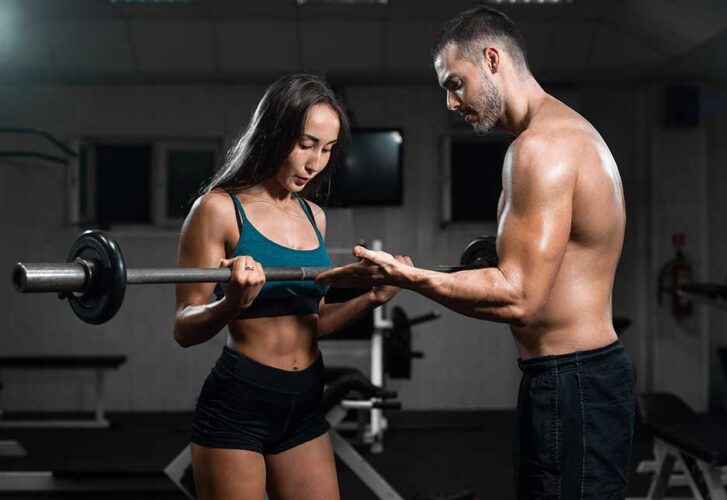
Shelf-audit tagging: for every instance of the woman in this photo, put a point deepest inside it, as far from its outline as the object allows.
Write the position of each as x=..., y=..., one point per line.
x=258, y=423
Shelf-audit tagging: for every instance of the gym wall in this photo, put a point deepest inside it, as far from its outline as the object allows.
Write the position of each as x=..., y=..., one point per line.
x=468, y=363
x=715, y=119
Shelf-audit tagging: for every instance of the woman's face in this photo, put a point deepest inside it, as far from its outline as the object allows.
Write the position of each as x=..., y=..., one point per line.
x=312, y=151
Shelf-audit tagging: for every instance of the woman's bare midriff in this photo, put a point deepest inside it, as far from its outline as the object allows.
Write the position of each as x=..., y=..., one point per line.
x=283, y=342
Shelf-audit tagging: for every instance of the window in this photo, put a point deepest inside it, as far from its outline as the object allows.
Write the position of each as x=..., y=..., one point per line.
x=182, y=170
x=472, y=177
x=122, y=184
x=139, y=183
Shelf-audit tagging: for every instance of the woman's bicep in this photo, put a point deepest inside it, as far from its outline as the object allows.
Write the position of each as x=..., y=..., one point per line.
x=201, y=245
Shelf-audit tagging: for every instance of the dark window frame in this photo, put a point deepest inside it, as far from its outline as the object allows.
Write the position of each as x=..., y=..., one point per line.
x=82, y=178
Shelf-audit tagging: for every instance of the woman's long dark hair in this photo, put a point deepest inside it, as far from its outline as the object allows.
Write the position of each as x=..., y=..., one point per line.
x=273, y=131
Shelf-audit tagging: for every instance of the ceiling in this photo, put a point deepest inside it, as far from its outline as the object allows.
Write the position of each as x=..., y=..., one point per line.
x=243, y=41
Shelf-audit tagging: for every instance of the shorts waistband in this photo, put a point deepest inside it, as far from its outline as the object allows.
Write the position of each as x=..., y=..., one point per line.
x=572, y=359
x=268, y=376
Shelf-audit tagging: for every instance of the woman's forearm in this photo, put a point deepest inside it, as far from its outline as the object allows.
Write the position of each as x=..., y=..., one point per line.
x=332, y=317
x=196, y=324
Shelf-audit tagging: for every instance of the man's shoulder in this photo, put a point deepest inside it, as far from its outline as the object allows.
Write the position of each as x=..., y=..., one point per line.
x=560, y=139
x=545, y=154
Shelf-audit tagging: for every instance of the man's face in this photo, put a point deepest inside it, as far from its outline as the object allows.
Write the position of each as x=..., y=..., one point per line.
x=470, y=89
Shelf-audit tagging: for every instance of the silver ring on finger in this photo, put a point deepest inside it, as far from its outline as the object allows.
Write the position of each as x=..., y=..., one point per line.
x=249, y=268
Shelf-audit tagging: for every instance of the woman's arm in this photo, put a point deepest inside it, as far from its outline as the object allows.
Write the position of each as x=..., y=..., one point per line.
x=202, y=244
x=333, y=317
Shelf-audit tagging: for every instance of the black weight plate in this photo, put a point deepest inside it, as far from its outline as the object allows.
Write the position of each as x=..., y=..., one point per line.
x=480, y=252
x=103, y=295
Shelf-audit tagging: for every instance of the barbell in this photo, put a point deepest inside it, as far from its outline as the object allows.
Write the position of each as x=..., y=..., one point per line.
x=94, y=277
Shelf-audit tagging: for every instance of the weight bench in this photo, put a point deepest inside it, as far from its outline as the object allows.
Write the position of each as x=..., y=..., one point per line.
x=352, y=390
x=686, y=441
x=99, y=364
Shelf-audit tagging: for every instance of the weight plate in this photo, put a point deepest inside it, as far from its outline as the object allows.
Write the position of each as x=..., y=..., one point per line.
x=480, y=252
x=104, y=292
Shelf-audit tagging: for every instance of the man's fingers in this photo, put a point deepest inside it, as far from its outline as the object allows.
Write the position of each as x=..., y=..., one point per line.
x=404, y=259
x=364, y=253
x=348, y=275
x=326, y=277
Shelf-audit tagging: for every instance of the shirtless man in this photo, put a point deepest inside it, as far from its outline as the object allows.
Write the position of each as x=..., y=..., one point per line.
x=561, y=221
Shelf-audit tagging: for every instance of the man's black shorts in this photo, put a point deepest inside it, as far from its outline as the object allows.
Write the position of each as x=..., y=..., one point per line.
x=574, y=425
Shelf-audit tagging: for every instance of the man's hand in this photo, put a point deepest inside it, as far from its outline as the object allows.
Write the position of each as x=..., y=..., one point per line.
x=380, y=270
x=384, y=293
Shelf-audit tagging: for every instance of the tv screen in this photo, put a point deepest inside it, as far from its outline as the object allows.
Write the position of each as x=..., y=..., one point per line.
x=371, y=172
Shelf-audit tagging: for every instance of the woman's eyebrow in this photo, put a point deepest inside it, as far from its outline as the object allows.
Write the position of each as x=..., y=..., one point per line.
x=315, y=139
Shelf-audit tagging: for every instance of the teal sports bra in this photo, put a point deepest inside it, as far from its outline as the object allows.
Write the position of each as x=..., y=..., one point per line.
x=279, y=298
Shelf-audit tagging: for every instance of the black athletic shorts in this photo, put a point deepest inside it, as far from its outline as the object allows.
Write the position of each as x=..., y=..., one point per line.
x=247, y=405
x=574, y=425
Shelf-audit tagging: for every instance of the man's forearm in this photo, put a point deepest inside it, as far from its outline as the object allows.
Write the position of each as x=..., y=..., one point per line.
x=481, y=293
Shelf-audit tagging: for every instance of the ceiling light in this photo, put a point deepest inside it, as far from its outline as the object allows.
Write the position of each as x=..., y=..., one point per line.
x=153, y=1
x=344, y=2
x=534, y=2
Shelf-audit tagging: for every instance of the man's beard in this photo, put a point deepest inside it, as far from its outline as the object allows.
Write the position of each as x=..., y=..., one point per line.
x=488, y=106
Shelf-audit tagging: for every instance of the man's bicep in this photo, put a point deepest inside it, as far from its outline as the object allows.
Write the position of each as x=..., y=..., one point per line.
x=535, y=225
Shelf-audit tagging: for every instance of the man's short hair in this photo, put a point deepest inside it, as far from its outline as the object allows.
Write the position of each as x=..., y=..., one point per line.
x=472, y=29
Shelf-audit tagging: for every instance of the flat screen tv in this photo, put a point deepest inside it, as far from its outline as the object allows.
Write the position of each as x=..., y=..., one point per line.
x=371, y=172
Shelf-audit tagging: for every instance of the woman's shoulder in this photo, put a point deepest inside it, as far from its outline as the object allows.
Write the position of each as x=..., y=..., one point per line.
x=318, y=214
x=214, y=203
x=211, y=219
x=214, y=208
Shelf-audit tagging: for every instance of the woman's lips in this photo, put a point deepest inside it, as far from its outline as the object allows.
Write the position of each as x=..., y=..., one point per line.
x=301, y=181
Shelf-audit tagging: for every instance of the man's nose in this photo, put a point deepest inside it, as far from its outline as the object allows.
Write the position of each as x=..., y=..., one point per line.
x=453, y=102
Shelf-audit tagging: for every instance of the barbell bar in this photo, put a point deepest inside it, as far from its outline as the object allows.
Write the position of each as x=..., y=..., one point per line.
x=72, y=277
x=94, y=276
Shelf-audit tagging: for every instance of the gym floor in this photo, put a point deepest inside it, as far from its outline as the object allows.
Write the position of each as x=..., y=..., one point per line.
x=424, y=452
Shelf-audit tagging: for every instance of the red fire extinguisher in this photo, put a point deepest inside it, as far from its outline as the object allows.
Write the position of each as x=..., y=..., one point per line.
x=681, y=273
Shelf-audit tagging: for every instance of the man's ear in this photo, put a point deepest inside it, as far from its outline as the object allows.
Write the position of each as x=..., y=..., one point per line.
x=491, y=59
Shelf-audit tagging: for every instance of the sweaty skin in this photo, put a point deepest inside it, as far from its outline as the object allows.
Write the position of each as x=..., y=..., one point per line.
x=561, y=217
